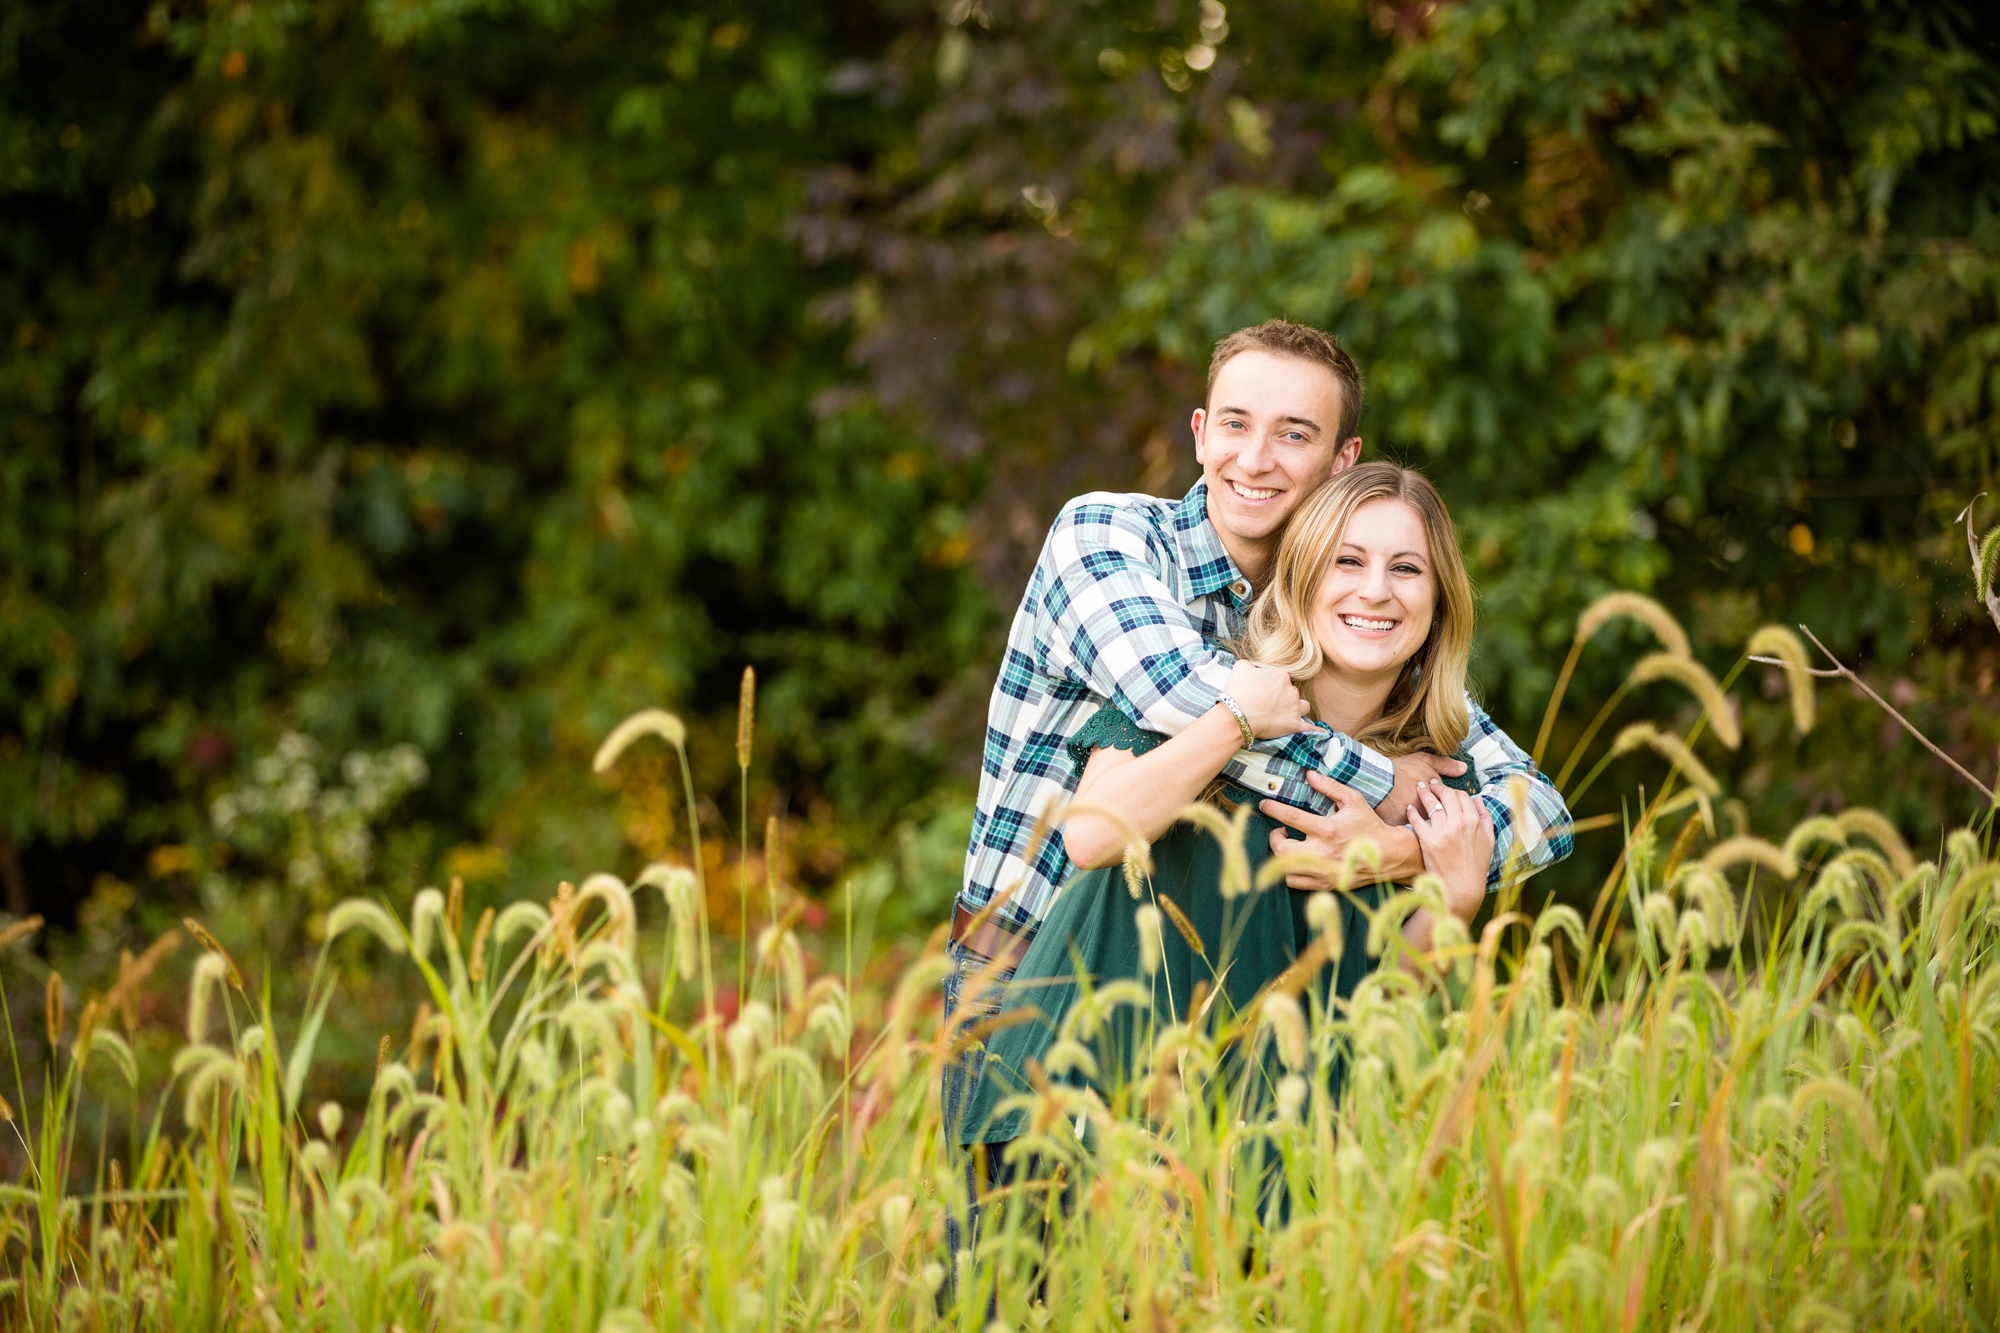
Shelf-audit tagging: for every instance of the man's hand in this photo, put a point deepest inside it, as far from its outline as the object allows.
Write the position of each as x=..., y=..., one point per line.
x=1331, y=835
x=1268, y=699
x=1412, y=772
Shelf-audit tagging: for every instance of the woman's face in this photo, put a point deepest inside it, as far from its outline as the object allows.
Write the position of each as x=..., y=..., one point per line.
x=1374, y=606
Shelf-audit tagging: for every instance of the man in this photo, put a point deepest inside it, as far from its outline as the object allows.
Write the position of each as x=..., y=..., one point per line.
x=1128, y=604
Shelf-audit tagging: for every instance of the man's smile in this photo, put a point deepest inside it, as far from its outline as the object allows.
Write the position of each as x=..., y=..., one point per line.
x=1252, y=493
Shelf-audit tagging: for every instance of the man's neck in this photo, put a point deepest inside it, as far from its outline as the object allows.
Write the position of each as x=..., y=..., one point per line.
x=1252, y=559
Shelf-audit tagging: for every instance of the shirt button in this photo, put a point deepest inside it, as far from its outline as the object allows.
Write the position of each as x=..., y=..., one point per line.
x=1271, y=784
x=1240, y=588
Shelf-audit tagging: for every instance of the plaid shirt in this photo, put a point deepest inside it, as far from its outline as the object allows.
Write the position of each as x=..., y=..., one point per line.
x=1127, y=605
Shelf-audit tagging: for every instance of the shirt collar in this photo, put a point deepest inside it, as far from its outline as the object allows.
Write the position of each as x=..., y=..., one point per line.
x=1205, y=562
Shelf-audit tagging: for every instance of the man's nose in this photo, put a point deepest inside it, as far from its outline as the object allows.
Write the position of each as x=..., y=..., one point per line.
x=1256, y=455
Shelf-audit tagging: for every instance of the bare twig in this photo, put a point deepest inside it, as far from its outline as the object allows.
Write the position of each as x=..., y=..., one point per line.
x=1810, y=671
x=1908, y=726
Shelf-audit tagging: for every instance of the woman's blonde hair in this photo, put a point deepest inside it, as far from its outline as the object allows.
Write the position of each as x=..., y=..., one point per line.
x=1426, y=708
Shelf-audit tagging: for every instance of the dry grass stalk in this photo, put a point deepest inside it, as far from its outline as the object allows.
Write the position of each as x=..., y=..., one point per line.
x=1872, y=825
x=1789, y=650
x=214, y=946
x=1746, y=849
x=1696, y=680
x=1644, y=735
x=646, y=722
x=746, y=715
x=14, y=932
x=1643, y=609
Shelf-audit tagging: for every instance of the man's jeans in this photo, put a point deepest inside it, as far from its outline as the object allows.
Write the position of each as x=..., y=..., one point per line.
x=960, y=1083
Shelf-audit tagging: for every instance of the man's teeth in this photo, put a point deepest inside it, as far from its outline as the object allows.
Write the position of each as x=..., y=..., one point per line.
x=1362, y=622
x=1251, y=492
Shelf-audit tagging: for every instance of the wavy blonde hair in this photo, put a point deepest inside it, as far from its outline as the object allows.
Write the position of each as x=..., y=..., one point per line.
x=1426, y=708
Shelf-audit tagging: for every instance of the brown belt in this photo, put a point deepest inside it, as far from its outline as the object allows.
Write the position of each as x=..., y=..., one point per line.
x=991, y=939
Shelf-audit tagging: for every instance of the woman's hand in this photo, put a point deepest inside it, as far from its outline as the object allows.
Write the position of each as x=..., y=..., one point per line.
x=1268, y=698
x=1455, y=832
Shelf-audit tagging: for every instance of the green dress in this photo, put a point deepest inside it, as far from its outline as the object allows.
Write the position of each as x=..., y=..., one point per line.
x=1092, y=932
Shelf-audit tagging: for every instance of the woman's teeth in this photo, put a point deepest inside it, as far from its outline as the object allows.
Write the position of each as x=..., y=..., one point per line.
x=1251, y=492
x=1363, y=622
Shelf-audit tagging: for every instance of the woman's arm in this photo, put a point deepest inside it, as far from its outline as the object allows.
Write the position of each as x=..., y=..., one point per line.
x=1150, y=789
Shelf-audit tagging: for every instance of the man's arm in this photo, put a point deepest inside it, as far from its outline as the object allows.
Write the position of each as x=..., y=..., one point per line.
x=1530, y=818
x=1524, y=804
x=1110, y=621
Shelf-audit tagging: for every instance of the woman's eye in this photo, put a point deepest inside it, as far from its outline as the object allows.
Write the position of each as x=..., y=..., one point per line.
x=1408, y=569
x=1348, y=562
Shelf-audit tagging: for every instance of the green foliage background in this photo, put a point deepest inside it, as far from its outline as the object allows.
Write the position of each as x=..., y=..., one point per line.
x=466, y=375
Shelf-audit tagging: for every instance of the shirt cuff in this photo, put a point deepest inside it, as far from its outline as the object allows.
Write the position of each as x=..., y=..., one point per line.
x=1203, y=689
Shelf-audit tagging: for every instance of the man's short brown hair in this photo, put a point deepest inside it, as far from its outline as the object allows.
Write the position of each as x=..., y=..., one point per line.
x=1281, y=337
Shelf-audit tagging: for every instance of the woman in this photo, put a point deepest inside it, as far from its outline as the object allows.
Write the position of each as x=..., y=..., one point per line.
x=1369, y=610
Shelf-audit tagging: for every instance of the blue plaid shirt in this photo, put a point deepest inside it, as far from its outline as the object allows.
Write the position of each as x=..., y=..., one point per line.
x=1128, y=603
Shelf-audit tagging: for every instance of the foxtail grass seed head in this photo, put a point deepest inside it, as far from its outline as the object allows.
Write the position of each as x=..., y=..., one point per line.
x=1872, y=825
x=330, y=1116
x=894, y=1215
x=646, y=722
x=475, y=967
x=425, y=914
x=14, y=932
x=1322, y=913
x=52, y=1009
x=1292, y=1091
x=1152, y=945
x=1696, y=680
x=746, y=715
x=1637, y=607
x=683, y=897
x=1288, y=1028
x=1785, y=645
x=210, y=971
x=214, y=946
x=1645, y=736
x=454, y=909
x=361, y=914
x=1748, y=850
x=381, y=1055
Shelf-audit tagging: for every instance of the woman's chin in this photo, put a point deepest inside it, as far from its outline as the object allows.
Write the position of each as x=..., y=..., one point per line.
x=1365, y=665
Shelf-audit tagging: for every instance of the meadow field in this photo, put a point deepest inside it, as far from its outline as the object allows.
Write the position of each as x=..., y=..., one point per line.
x=1758, y=1086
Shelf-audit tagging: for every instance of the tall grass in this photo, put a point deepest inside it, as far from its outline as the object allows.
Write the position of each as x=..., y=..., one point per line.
x=1750, y=1105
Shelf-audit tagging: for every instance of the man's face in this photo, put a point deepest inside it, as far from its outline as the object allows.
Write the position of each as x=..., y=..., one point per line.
x=1266, y=441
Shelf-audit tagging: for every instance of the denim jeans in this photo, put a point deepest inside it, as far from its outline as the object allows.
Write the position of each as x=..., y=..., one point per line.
x=959, y=1084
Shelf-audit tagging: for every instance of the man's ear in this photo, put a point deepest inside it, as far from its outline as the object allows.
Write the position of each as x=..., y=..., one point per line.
x=1348, y=454
x=1197, y=421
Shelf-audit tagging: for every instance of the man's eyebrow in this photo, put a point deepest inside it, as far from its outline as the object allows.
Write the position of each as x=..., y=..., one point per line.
x=1246, y=412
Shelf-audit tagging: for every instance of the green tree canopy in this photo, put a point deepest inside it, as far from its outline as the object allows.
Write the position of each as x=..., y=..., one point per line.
x=466, y=375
